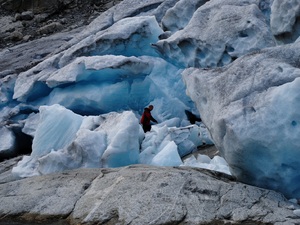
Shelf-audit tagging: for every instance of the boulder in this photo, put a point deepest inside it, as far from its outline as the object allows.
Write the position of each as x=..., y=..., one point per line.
x=27, y=15
x=16, y=36
x=50, y=28
x=8, y=26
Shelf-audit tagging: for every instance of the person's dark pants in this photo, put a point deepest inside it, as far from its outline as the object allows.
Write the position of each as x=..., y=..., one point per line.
x=146, y=128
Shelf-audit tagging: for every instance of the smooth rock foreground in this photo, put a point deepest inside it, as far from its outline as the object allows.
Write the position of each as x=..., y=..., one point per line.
x=139, y=194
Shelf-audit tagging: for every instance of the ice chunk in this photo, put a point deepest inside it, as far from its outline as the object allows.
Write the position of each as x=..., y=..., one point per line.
x=130, y=37
x=31, y=124
x=65, y=140
x=30, y=84
x=297, y=212
x=108, y=68
x=219, y=164
x=168, y=156
x=284, y=15
x=7, y=141
x=186, y=139
x=177, y=17
x=217, y=34
x=85, y=151
x=56, y=130
x=123, y=144
x=203, y=161
x=285, y=20
x=252, y=115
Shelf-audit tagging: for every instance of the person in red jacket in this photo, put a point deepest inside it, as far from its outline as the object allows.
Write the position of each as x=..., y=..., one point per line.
x=147, y=118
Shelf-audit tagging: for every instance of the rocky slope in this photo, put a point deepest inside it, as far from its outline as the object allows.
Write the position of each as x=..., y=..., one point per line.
x=22, y=21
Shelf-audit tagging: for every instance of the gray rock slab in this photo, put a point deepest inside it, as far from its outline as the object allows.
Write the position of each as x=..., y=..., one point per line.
x=156, y=195
x=140, y=194
x=5, y=169
x=44, y=197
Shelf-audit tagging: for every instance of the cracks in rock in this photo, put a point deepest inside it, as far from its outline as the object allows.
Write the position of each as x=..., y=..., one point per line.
x=145, y=176
x=215, y=174
x=168, y=211
x=85, y=188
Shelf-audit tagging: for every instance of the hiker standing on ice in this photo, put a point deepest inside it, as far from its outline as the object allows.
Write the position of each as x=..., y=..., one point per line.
x=147, y=118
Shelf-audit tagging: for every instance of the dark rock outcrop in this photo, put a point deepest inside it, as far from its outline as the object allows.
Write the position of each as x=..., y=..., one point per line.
x=21, y=21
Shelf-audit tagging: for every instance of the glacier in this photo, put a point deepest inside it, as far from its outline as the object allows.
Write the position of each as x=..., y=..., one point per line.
x=265, y=100
x=233, y=63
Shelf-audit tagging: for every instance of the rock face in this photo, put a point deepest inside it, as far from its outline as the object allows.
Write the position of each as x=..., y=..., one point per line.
x=28, y=20
x=14, y=60
x=140, y=195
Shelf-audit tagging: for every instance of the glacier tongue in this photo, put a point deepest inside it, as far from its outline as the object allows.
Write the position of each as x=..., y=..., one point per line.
x=82, y=103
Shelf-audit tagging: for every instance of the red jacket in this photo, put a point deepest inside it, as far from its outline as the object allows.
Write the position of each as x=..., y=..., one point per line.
x=147, y=117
